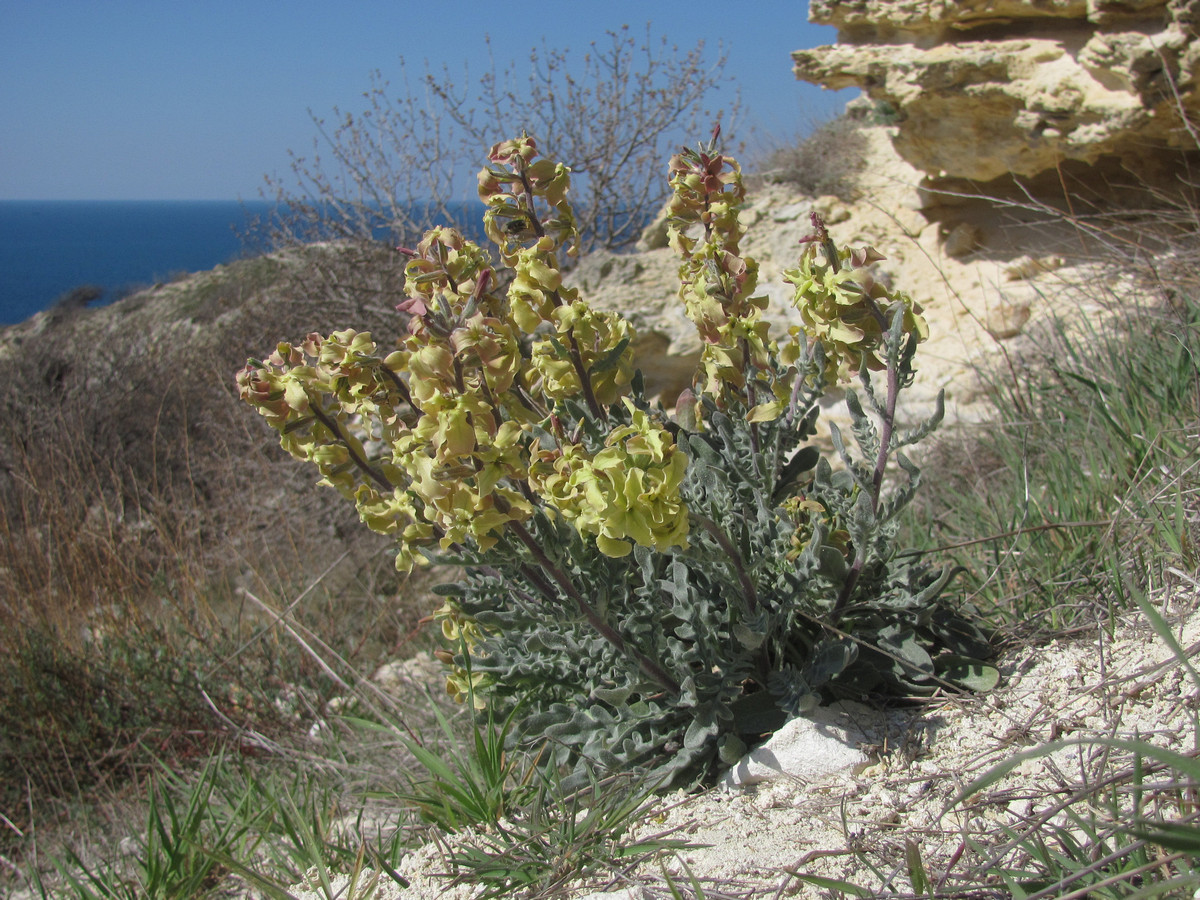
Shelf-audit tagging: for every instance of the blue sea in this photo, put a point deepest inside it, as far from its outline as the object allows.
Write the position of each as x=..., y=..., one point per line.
x=49, y=247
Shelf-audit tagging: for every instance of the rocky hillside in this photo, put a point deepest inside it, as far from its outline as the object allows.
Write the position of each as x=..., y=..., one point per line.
x=138, y=396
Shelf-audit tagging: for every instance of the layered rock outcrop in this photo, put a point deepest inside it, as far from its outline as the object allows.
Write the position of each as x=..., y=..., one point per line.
x=980, y=89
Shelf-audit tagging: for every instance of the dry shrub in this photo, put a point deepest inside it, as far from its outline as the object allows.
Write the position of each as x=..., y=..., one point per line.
x=139, y=507
x=824, y=161
x=91, y=677
x=408, y=159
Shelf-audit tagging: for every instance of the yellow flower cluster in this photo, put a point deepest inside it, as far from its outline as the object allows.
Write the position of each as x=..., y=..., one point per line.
x=596, y=336
x=330, y=398
x=716, y=284
x=577, y=350
x=433, y=441
x=847, y=311
x=628, y=491
x=460, y=630
x=508, y=188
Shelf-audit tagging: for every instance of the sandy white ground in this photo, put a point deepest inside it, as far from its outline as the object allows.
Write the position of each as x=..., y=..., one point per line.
x=749, y=843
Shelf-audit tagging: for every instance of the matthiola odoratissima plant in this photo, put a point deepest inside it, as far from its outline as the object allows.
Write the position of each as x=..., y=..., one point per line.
x=655, y=591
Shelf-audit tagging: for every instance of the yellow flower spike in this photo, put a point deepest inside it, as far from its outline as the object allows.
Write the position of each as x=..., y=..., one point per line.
x=716, y=283
x=446, y=270
x=836, y=308
x=596, y=335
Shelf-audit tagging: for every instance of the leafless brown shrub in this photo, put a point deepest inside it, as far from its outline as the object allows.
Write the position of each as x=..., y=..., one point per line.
x=824, y=161
x=407, y=161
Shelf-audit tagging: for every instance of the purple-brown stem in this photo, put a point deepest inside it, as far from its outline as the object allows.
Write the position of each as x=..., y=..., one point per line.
x=362, y=464
x=885, y=440
x=610, y=634
x=399, y=384
x=735, y=559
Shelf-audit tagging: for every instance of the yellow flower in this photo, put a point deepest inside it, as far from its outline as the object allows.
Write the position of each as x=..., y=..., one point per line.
x=847, y=312
x=460, y=685
x=628, y=493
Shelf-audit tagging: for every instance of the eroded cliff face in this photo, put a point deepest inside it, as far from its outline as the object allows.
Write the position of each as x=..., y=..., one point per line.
x=981, y=89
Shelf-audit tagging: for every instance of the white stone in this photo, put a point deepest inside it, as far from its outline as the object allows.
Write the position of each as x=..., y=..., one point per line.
x=791, y=211
x=809, y=748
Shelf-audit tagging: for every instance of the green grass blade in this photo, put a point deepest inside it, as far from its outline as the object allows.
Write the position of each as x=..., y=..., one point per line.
x=1172, y=835
x=833, y=884
x=916, y=867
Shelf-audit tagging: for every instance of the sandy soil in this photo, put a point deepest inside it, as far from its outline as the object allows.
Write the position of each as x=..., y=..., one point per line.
x=855, y=825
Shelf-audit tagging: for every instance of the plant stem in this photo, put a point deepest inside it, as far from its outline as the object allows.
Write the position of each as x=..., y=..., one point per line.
x=362, y=464
x=751, y=400
x=885, y=440
x=585, y=380
x=398, y=383
x=610, y=634
x=735, y=559
x=885, y=433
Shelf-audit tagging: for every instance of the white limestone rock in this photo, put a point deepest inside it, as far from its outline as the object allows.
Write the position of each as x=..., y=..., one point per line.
x=810, y=748
x=1046, y=82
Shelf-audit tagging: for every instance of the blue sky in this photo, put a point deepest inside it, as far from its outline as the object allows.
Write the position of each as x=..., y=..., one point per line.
x=175, y=99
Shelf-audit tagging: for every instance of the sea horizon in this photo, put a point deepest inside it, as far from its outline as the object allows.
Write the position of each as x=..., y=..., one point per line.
x=50, y=247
